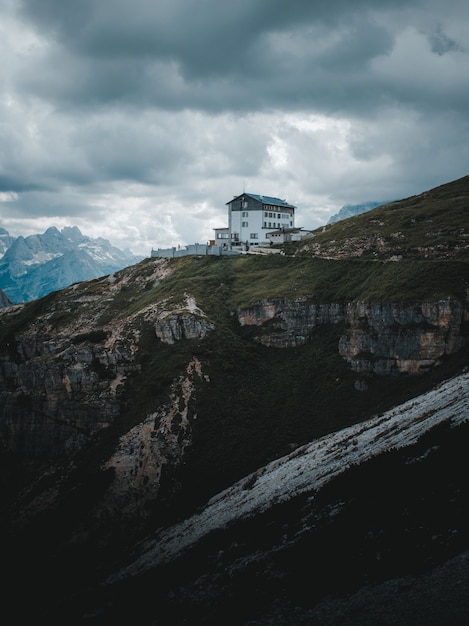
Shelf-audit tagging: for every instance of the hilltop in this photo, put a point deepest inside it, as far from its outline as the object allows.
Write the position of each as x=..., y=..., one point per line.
x=183, y=437
x=432, y=224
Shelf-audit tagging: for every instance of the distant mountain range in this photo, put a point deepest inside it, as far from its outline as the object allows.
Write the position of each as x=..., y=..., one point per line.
x=33, y=266
x=350, y=210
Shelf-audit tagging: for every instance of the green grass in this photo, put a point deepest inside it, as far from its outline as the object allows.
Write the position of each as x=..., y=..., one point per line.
x=238, y=283
x=224, y=285
x=437, y=218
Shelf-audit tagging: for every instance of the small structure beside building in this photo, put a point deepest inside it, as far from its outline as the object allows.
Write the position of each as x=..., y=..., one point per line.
x=285, y=235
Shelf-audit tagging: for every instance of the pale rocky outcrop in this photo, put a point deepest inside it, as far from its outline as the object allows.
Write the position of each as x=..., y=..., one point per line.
x=160, y=439
x=186, y=321
x=182, y=326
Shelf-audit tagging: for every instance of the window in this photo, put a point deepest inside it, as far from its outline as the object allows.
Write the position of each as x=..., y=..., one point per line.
x=270, y=225
x=223, y=236
x=265, y=214
x=270, y=214
x=244, y=224
x=245, y=214
x=265, y=225
x=278, y=216
x=245, y=204
x=254, y=235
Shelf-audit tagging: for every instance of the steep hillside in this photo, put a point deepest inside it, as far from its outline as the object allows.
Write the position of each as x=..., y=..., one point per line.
x=131, y=401
x=430, y=225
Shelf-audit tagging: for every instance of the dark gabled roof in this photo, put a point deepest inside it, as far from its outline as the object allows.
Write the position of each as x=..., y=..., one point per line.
x=265, y=200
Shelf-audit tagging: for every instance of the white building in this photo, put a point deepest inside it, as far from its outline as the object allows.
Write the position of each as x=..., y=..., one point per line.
x=252, y=218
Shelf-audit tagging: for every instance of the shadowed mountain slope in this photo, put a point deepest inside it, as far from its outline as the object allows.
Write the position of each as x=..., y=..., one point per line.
x=183, y=439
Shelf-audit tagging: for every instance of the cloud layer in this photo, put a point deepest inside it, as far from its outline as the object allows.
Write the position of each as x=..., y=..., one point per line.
x=137, y=121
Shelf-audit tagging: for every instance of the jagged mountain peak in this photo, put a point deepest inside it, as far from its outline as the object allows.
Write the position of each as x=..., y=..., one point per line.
x=73, y=233
x=350, y=210
x=30, y=267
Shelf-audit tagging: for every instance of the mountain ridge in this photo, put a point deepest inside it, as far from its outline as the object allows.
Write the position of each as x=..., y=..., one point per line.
x=135, y=401
x=428, y=225
x=33, y=266
x=350, y=210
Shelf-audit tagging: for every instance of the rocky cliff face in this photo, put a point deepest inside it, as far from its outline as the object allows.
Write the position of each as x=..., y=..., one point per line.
x=384, y=338
x=65, y=378
x=63, y=383
x=186, y=321
x=63, y=374
x=389, y=338
x=159, y=441
x=62, y=386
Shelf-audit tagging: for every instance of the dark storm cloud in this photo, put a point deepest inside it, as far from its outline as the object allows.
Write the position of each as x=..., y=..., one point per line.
x=209, y=55
x=17, y=185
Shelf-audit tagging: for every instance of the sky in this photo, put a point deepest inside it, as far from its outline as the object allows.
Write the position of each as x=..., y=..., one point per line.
x=137, y=121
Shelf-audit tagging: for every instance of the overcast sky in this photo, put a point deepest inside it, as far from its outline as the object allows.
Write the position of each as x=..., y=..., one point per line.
x=137, y=120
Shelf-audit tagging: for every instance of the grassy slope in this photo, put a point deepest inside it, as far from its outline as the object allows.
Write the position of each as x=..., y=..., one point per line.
x=438, y=217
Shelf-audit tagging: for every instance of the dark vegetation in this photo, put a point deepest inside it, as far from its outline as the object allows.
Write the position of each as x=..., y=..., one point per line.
x=394, y=517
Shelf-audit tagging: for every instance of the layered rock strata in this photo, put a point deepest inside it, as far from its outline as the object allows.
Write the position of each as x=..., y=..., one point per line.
x=384, y=338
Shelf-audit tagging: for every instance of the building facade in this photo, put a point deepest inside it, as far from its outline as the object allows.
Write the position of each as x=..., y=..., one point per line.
x=251, y=218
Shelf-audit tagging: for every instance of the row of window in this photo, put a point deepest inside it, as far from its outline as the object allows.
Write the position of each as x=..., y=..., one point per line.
x=271, y=207
x=280, y=216
x=269, y=225
x=274, y=225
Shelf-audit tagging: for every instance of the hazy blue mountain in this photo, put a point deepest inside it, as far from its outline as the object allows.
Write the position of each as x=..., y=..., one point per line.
x=350, y=210
x=33, y=266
